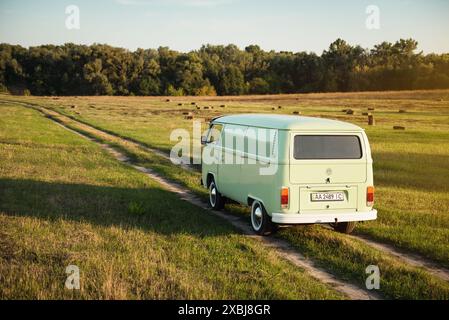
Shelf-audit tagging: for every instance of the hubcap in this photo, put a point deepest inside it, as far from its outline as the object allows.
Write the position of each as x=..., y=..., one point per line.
x=258, y=213
x=257, y=217
x=212, y=195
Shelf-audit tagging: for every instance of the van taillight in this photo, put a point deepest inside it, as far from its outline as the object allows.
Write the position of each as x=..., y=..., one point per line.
x=284, y=197
x=369, y=196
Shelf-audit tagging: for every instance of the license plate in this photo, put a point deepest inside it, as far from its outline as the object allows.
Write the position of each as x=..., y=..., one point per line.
x=327, y=196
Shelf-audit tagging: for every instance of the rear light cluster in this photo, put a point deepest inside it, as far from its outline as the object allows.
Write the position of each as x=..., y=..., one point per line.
x=284, y=197
x=369, y=196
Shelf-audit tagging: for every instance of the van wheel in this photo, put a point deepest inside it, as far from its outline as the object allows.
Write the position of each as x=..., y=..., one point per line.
x=216, y=200
x=344, y=227
x=260, y=220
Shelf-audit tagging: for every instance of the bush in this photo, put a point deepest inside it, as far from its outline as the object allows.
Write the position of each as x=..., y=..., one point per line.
x=207, y=90
x=172, y=91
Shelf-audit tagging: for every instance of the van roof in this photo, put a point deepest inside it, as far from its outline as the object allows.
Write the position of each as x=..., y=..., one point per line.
x=286, y=122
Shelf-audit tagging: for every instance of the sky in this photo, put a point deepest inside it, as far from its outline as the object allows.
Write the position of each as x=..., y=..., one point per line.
x=184, y=25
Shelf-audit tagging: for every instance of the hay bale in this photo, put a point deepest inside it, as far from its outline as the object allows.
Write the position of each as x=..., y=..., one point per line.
x=187, y=113
x=167, y=100
x=188, y=117
x=193, y=103
x=198, y=108
x=273, y=108
x=402, y=111
x=206, y=108
x=279, y=107
x=297, y=113
x=399, y=128
x=223, y=106
x=366, y=114
x=371, y=121
x=344, y=110
x=73, y=106
x=180, y=104
x=350, y=112
x=371, y=109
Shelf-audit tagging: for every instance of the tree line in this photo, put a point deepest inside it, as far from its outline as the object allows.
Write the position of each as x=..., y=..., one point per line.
x=100, y=69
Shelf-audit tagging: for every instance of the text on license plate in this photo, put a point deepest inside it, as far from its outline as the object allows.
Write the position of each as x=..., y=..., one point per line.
x=328, y=196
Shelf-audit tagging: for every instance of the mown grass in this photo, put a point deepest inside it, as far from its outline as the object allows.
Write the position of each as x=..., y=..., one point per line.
x=411, y=166
x=343, y=256
x=411, y=170
x=65, y=201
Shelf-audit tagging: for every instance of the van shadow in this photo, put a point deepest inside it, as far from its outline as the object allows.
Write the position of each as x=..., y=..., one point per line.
x=147, y=209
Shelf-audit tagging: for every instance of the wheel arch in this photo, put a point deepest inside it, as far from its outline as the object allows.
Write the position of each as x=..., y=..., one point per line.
x=209, y=177
x=250, y=200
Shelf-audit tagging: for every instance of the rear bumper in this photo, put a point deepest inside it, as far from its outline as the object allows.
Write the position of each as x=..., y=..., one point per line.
x=323, y=217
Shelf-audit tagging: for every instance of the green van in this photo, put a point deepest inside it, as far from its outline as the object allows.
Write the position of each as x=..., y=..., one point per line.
x=290, y=170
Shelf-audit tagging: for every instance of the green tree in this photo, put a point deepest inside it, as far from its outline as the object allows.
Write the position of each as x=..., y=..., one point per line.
x=98, y=81
x=259, y=86
x=340, y=62
x=232, y=81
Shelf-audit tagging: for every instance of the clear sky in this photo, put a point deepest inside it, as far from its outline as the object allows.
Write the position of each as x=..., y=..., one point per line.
x=187, y=24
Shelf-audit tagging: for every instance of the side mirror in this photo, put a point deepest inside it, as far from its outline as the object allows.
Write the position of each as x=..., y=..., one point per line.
x=203, y=140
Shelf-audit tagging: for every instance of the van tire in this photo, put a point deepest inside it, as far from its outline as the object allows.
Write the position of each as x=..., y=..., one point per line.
x=260, y=220
x=344, y=227
x=216, y=200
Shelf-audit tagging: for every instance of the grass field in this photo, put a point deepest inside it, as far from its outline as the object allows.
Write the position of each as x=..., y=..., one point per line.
x=65, y=201
x=411, y=170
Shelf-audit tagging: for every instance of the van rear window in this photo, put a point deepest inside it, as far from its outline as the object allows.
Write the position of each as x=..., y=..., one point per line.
x=327, y=147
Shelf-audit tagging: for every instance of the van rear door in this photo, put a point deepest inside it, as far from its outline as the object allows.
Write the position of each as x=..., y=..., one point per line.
x=329, y=167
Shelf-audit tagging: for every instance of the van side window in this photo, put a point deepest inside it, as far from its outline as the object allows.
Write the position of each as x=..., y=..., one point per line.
x=214, y=133
x=307, y=147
